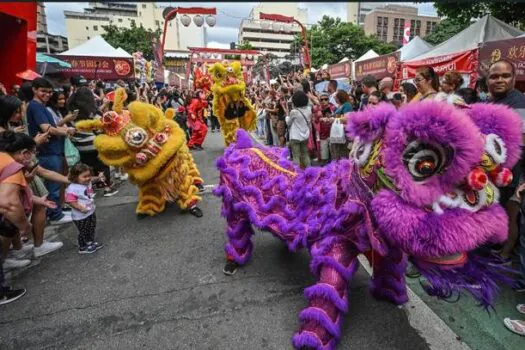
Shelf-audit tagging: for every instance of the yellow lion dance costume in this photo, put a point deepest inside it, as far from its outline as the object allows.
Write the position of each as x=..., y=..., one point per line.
x=152, y=149
x=230, y=104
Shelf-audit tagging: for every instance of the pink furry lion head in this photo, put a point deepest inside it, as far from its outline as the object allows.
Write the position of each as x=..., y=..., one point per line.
x=436, y=170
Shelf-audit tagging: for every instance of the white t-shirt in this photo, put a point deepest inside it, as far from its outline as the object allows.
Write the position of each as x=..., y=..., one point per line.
x=84, y=196
x=299, y=123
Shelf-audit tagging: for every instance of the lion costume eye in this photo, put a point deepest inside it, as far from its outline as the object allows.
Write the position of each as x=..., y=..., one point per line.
x=218, y=75
x=424, y=160
x=361, y=153
x=136, y=137
x=495, y=148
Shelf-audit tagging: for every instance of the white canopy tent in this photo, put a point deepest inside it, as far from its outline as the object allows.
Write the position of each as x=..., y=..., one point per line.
x=369, y=54
x=414, y=48
x=97, y=47
x=485, y=29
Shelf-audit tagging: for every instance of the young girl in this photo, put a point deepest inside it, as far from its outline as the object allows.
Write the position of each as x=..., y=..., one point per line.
x=79, y=196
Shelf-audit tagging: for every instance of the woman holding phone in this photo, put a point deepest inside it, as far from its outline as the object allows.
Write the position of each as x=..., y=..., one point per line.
x=57, y=108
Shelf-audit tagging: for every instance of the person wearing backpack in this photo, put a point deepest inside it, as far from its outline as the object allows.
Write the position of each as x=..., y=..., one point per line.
x=299, y=121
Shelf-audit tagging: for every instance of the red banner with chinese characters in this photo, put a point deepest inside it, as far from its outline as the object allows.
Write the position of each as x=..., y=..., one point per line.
x=511, y=49
x=379, y=67
x=340, y=70
x=105, y=68
x=462, y=62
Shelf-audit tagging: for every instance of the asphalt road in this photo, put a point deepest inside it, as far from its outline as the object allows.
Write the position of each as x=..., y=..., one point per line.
x=158, y=284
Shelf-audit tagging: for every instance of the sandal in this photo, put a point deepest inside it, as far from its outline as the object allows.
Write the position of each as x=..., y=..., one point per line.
x=521, y=308
x=515, y=326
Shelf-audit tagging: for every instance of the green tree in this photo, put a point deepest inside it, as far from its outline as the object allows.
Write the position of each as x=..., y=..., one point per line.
x=331, y=40
x=510, y=11
x=135, y=38
x=445, y=30
x=245, y=45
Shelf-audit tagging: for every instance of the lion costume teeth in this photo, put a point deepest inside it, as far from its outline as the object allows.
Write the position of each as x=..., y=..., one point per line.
x=151, y=149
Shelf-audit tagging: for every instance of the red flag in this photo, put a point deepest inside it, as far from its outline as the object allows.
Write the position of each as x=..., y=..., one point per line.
x=406, y=33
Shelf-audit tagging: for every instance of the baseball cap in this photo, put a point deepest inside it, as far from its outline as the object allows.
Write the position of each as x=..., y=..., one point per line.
x=78, y=80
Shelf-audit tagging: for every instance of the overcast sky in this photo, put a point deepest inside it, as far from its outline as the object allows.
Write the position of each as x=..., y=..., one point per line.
x=229, y=16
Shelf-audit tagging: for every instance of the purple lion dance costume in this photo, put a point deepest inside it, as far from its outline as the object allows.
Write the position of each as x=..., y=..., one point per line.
x=421, y=185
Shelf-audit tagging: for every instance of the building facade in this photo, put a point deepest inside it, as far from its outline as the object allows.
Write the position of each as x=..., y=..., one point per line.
x=356, y=11
x=82, y=26
x=45, y=42
x=388, y=23
x=41, y=19
x=263, y=37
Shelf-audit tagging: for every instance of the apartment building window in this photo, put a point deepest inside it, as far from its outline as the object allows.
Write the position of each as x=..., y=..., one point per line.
x=120, y=20
x=399, y=27
x=143, y=6
x=382, y=28
x=415, y=28
x=87, y=28
x=157, y=23
x=88, y=37
x=431, y=26
x=95, y=28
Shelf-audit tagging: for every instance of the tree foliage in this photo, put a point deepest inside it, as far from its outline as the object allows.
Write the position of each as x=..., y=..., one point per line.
x=135, y=38
x=246, y=45
x=331, y=40
x=445, y=30
x=509, y=11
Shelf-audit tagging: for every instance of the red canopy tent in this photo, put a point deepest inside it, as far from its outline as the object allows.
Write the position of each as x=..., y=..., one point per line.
x=460, y=53
x=18, y=44
x=205, y=55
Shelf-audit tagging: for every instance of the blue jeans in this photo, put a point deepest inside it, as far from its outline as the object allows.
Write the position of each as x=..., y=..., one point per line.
x=54, y=163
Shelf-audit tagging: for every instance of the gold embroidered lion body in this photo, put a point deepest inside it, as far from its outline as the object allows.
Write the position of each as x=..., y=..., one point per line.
x=230, y=104
x=151, y=149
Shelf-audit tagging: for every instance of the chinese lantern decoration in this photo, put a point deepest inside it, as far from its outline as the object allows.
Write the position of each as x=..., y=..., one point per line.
x=185, y=20
x=198, y=20
x=211, y=21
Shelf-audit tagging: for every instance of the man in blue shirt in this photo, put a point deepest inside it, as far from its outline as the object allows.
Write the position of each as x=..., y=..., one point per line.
x=51, y=154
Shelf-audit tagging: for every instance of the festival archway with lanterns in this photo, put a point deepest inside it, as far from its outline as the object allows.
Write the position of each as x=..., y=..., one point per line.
x=209, y=56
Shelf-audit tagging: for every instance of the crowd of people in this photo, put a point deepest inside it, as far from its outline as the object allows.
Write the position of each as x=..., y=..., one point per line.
x=47, y=167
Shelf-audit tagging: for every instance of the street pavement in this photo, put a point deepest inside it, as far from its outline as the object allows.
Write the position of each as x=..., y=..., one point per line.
x=158, y=284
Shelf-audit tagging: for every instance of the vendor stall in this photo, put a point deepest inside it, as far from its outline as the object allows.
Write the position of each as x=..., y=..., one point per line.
x=96, y=59
x=460, y=53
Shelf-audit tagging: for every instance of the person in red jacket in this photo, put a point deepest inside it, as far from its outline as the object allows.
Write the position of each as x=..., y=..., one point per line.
x=196, y=122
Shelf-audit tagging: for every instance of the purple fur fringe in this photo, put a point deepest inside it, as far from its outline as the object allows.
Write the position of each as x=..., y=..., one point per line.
x=479, y=276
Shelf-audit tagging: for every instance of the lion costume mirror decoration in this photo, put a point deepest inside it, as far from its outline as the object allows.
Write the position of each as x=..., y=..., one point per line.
x=421, y=185
x=151, y=149
x=230, y=104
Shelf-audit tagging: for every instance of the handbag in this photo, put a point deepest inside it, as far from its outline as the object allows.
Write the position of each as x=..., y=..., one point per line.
x=337, y=132
x=71, y=152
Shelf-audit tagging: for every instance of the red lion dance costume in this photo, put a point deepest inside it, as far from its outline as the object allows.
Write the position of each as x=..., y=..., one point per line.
x=199, y=129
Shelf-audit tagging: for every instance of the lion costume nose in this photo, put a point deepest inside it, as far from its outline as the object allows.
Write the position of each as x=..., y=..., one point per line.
x=477, y=179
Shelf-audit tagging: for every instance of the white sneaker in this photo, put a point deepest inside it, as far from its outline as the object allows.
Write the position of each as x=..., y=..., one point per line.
x=65, y=220
x=46, y=247
x=19, y=254
x=10, y=264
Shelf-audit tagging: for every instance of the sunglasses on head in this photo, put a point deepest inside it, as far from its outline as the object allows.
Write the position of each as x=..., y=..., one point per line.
x=324, y=98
